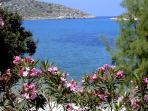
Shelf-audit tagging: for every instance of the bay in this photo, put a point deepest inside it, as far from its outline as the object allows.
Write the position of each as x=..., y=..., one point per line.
x=73, y=45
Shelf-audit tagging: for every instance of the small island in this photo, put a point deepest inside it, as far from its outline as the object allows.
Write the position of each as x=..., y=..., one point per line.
x=34, y=9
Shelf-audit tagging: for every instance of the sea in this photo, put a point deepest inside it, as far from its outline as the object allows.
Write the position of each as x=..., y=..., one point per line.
x=75, y=46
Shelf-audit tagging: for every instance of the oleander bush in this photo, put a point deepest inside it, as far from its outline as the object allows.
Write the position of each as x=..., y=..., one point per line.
x=36, y=86
x=40, y=84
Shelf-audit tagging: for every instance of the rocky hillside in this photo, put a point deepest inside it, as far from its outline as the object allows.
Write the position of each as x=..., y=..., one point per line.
x=33, y=9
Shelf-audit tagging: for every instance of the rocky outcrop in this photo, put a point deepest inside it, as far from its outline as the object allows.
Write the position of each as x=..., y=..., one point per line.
x=33, y=9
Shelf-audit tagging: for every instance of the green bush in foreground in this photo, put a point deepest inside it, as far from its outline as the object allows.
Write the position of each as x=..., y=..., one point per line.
x=41, y=84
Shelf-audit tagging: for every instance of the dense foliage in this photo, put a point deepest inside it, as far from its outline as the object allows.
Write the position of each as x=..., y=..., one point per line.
x=14, y=39
x=132, y=43
x=41, y=84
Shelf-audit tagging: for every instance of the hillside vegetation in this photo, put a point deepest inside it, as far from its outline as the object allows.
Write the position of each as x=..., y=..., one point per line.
x=33, y=9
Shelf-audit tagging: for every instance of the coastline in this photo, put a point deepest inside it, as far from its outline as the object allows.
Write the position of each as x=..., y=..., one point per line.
x=124, y=19
x=36, y=10
x=56, y=18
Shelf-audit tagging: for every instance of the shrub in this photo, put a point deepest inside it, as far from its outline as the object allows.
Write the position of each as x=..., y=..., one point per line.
x=14, y=39
x=42, y=84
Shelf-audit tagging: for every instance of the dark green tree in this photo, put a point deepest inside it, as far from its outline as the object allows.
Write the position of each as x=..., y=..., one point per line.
x=132, y=43
x=14, y=39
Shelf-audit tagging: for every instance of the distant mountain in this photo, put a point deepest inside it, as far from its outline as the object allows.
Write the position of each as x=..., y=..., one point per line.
x=33, y=9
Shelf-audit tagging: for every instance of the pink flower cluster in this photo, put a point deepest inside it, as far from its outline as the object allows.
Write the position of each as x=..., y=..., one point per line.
x=105, y=67
x=100, y=69
x=53, y=69
x=93, y=77
x=71, y=85
x=27, y=72
x=146, y=80
x=106, y=70
x=28, y=60
x=71, y=107
x=1, y=22
x=16, y=60
x=120, y=74
x=146, y=98
x=63, y=77
x=135, y=103
x=102, y=97
x=29, y=91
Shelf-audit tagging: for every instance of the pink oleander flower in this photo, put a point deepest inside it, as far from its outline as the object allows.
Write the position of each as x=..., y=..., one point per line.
x=71, y=85
x=108, y=67
x=1, y=22
x=69, y=107
x=27, y=72
x=146, y=80
x=100, y=69
x=63, y=77
x=24, y=72
x=103, y=97
x=135, y=103
x=16, y=60
x=120, y=74
x=93, y=77
x=35, y=72
x=146, y=98
x=29, y=91
x=53, y=69
x=28, y=59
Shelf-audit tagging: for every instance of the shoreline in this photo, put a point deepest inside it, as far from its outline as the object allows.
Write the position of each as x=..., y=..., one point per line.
x=57, y=18
x=124, y=19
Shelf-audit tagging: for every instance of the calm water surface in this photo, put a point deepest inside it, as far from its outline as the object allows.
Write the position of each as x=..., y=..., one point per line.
x=74, y=45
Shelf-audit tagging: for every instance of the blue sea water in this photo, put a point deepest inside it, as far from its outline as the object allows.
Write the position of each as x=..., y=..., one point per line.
x=74, y=45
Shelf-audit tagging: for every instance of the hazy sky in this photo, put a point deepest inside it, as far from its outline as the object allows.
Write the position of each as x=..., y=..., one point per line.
x=94, y=7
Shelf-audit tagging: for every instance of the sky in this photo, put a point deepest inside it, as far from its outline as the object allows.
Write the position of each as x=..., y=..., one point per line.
x=93, y=7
